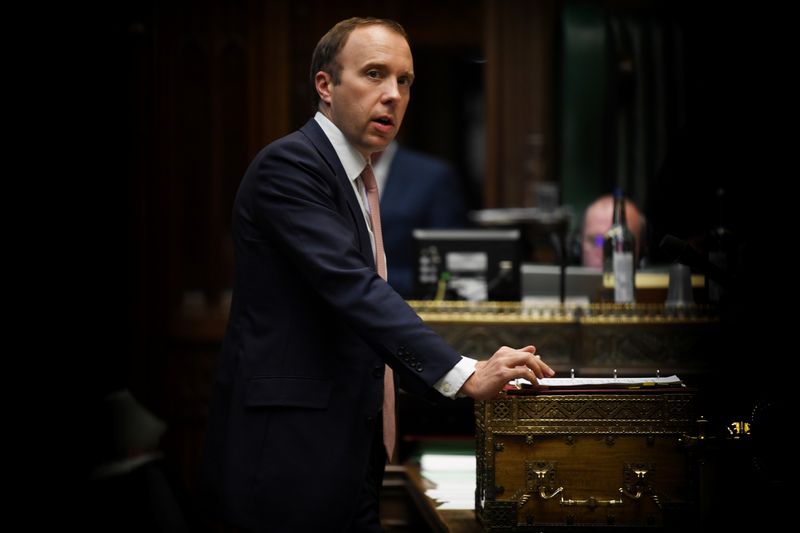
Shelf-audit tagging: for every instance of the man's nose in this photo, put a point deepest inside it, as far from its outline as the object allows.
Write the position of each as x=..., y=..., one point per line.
x=391, y=89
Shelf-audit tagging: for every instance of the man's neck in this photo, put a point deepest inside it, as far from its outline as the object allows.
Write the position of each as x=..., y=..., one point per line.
x=352, y=160
x=326, y=111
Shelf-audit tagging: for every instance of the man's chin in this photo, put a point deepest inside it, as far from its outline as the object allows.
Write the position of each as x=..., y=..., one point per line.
x=378, y=144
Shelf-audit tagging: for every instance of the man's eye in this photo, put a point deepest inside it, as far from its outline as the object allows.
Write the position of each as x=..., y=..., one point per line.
x=374, y=74
x=402, y=80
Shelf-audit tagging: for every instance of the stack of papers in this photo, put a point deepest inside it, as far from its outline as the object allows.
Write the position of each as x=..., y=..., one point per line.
x=670, y=381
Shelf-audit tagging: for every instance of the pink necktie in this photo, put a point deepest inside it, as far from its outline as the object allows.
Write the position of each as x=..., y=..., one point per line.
x=389, y=423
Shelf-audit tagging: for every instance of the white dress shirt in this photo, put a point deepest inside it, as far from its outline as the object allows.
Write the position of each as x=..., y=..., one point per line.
x=381, y=168
x=354, y=163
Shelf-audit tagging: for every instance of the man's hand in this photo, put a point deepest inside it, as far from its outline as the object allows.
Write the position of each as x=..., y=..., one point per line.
x=506, y=364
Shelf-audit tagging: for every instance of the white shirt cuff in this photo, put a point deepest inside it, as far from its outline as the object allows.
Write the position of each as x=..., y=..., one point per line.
x=452, y=382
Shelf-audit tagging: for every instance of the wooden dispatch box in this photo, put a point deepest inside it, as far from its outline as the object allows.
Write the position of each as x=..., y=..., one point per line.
x=608, y=458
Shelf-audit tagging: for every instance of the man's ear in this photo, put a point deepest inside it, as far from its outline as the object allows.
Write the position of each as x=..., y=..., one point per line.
x=323, y=83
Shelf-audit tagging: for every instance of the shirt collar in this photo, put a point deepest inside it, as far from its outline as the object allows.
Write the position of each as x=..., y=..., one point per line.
x=381, y=168
x=352, y=161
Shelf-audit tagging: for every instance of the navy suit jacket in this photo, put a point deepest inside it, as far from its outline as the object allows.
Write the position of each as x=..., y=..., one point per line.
x=299, y=381
x=420, y=192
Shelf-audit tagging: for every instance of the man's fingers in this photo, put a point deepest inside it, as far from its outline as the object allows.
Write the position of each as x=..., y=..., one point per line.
x=505, y=365
x=522, y=358
x=518, y=363
x=538, y=367
x=543, y=368
x=522, y=372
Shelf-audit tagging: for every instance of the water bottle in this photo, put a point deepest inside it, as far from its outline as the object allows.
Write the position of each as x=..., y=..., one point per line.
x=619, y=250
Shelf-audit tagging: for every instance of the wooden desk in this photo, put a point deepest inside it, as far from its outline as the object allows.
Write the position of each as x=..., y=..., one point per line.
x=460, y=521
x=594, y=339
x=406, y=508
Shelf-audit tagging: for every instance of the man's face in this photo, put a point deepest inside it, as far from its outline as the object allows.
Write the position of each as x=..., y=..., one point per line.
x=598, y=222
x=370, y=100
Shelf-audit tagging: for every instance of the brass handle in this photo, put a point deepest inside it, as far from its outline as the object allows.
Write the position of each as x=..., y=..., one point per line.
x=640, y=473
x=541, y=473
x=543, y=495
x=591, y=502
x=633, y=496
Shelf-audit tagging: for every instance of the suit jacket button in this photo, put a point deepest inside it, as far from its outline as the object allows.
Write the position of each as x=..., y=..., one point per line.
x=377, y=372
x=368, y=420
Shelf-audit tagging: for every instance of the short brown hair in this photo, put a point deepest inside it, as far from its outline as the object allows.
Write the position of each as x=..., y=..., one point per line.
x=329, y=46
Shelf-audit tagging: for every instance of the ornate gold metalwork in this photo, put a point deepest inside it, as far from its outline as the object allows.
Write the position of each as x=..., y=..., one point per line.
x=739, y=428
x=591, y=502
x=500, y=514
x=577, y=414
x=521, y=313
x=501, y=410
x=637, y=476
x=571, y=417
x=540, y=477
x=635, y=339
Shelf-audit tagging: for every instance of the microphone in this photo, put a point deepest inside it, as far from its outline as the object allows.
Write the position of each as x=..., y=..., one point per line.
x=684, y=253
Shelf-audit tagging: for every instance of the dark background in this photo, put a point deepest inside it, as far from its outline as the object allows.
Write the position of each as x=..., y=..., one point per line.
x=154, y=109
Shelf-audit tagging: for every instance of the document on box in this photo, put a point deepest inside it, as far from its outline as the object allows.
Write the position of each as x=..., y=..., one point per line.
x=670, y=381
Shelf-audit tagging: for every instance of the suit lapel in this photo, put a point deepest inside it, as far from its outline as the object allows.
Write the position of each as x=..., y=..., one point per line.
x=324, y=147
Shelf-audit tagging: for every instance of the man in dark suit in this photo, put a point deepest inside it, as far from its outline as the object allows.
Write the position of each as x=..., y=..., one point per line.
x=417, y=191
x=294, y=439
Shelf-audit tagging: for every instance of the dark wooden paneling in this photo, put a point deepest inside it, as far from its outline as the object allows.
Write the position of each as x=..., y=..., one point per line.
x=519, y=97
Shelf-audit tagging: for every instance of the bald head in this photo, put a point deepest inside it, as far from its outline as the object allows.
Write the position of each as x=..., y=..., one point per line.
x=597, y=221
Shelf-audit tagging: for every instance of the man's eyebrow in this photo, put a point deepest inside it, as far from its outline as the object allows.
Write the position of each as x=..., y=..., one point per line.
x=375, y=65
x=383, y=66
